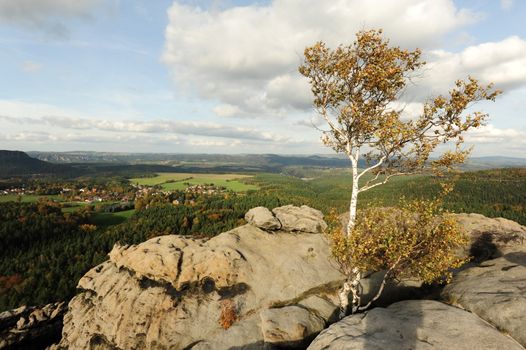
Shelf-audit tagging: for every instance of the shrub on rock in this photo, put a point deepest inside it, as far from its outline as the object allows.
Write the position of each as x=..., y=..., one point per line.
x=416, y=240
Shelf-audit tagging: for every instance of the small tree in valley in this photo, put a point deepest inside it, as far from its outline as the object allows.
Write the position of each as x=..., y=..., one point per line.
x=357, y=90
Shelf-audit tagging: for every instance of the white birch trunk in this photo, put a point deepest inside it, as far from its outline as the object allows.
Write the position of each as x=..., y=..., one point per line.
x=354, y=196
x=352, y=285
x=343, y=295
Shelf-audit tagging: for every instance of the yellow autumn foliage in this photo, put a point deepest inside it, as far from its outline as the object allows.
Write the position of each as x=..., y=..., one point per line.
x=417, y=239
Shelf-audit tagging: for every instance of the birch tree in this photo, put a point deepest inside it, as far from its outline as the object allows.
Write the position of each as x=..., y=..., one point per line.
x=357, y=92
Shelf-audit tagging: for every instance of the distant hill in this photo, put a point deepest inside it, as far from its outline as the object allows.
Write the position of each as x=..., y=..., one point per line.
x=257, y=162
x=484, y=163
x=239, y=162
x=17, y=163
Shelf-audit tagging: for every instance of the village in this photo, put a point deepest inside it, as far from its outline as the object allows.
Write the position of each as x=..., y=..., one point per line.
x=121, y=199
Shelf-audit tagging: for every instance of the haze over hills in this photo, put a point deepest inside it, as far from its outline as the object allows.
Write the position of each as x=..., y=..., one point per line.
x=265, y=162
x=17, y=163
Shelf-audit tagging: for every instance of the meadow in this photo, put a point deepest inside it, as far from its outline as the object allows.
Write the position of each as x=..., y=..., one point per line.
x=26, y=198
x=109, y=219
x=180, y=181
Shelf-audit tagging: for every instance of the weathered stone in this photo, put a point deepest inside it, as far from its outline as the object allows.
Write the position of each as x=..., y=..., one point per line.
x=39, y=315
x=169, y=292
x=413, y=324
x=21, y=323
x=328, y=310
x=495, y=291
x=31, y=327
x=393, y=291
x=290, y=326
x=302, y=218
x=491, y=237
x=263, y=218
x=58, y=311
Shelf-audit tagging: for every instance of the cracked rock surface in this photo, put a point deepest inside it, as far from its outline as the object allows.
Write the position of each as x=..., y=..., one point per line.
x=31, y=327
x=496, y=291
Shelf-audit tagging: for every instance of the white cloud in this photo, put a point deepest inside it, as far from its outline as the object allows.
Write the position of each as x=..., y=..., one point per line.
x=491, y=134
x=503, y=63
x=227, y=110
x=506, y=4
x=48, y=16
x=247, y=57
x=205, y=129
x=214, y=143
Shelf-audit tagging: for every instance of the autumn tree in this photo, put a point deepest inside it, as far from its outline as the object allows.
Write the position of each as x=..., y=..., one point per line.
x=357, y=91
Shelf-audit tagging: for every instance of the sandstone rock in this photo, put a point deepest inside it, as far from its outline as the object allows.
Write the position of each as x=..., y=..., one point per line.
x=290, y=326
x=31, y=327
x=492, y=237
x=21, y=323
x=39, y=315
x=302, y=218
x=326, y=309
x=168, y=292
x=495, y=291
x=393, y=291
x=413, y=324
x=263, y=218
x=57, y=311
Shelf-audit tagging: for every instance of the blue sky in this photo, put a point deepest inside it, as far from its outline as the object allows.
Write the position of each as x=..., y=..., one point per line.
x=221, y=76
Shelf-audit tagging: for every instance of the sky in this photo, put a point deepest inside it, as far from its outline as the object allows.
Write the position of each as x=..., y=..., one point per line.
x=212, y=76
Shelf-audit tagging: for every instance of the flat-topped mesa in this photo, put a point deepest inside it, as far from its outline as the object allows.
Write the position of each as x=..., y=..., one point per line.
x=178, y=292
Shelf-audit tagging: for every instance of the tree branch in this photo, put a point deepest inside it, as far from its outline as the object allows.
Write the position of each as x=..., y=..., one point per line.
x=365, y=188
x=382, y=286
x=371, y=167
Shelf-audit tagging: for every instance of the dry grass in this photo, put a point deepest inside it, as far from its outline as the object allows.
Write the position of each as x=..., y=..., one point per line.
x=229, y=314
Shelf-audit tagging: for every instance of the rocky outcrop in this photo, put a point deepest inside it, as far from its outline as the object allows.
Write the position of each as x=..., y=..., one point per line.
x=290, y=326
x=31, y=327
x=496, y=291
x=490, y=290
x=303, y=219
x=491, y=237
x=243, y=289
x=271, y=284
x=413, y=324
x=262, y=218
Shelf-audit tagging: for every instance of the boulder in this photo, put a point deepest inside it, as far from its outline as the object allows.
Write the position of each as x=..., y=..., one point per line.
x=302, y=218
x=290, y=326
x=263, y=218
x=491, y=237
x=413, y=324
x=177, y=292
x=495, y=291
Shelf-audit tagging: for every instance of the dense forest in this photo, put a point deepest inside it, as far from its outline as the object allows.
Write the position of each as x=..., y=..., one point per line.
x=494, y=193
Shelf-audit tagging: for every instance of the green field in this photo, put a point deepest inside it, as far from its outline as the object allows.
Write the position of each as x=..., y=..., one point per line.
x=26, y=198
x=102, y=219
x=180, y=181
x=108, y=219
